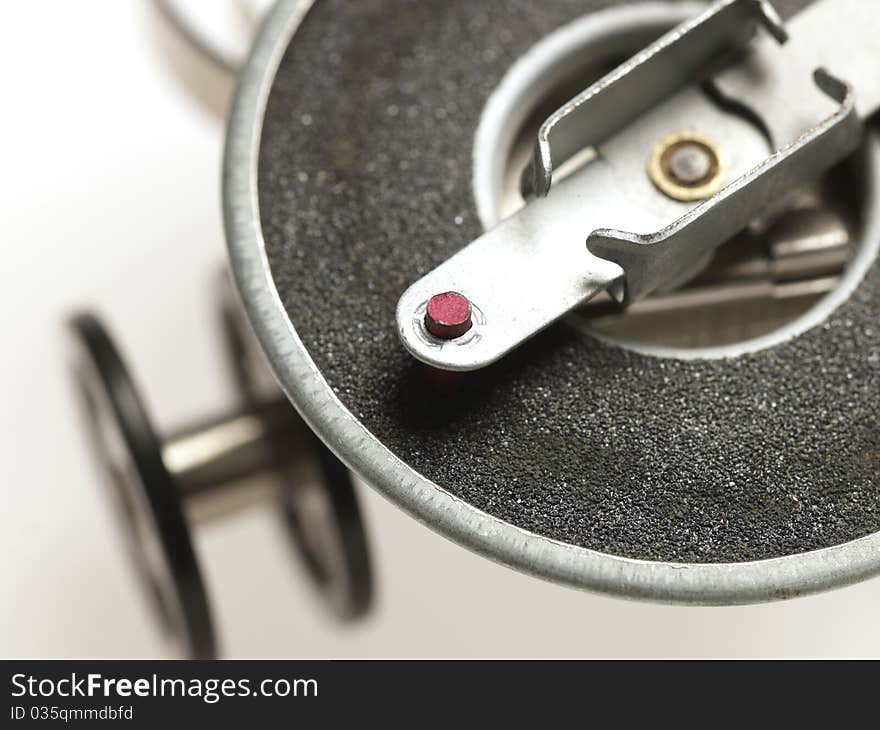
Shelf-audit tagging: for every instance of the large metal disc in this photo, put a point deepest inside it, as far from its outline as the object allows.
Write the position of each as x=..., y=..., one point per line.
x=710, y=480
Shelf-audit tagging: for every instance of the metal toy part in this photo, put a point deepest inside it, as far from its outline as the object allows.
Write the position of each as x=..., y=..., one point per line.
x=675, y=60
x=732, y=462
x=650, y=260
x=162, y=486
x=639, y=242
x=687, y=470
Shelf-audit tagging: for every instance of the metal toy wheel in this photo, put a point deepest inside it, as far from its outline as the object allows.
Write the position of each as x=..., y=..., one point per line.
x=213, y=469
x=147, y=497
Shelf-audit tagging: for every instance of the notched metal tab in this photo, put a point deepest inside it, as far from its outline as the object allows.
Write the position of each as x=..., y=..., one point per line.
x=680, y=57
x=650, y=260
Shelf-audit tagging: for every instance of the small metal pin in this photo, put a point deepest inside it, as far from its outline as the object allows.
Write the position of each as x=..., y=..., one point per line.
x=691, y=164
x=448, y=315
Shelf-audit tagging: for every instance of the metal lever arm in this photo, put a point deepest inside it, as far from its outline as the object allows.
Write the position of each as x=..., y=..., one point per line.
x=532, y=268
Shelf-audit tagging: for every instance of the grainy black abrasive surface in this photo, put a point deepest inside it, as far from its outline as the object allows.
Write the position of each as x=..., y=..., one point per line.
x=365, y=185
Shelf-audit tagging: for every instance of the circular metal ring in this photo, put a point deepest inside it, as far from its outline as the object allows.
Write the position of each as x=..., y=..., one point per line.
x=688, y=183
x=146, y=495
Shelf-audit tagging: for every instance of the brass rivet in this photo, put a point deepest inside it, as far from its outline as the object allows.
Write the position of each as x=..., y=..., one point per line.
x=688, y=166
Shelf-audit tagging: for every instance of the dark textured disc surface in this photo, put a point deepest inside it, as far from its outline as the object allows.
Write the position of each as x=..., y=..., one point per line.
x=365, y=185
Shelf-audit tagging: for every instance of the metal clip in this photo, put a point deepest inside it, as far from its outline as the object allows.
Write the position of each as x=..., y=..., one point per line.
x=675, y=60
x=651, y=260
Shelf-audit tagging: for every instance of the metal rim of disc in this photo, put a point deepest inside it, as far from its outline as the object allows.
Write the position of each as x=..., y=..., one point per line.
x=330, y=541
x=153, y=511
x=693, y=583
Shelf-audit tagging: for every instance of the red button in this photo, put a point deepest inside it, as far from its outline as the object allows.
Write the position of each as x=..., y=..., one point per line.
x=448, y=315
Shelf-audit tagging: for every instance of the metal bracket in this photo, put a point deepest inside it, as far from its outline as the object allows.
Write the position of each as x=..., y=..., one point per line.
x=533, y=268
x=650, y=260
x=680, y=57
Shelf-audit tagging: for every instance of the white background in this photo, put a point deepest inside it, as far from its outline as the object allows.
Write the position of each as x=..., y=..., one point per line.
x=111, y=146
